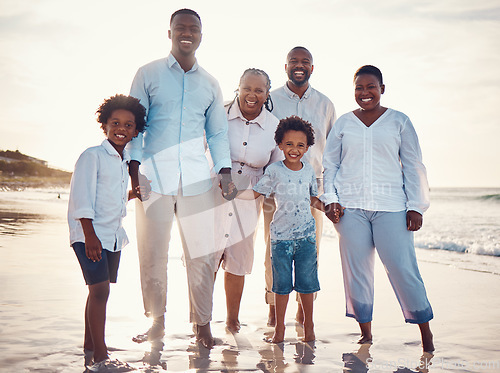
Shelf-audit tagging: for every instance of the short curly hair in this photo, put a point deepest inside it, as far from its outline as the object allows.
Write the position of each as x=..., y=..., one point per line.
x=294, y=123
x=118, y=102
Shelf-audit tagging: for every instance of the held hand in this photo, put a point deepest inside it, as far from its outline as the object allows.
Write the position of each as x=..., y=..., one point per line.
x=414, y=220
x=93, y=248
x=229, y=190
x=334, y=211
x=143, y=190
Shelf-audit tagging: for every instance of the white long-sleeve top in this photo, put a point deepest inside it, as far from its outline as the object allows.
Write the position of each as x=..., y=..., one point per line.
x=376, y=168
x=99, y=192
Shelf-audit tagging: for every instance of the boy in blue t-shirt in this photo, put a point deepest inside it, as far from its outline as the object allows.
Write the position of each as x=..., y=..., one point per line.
x=292, y=182
x=97, y=205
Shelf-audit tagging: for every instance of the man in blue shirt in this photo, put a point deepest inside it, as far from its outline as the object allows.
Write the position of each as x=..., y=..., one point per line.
x=184, y=108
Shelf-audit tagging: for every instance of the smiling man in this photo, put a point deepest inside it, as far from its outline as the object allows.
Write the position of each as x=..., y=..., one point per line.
x=184, y=106
x=297, y=97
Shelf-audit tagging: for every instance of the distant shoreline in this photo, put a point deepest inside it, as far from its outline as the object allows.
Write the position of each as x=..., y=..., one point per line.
x=18, y=183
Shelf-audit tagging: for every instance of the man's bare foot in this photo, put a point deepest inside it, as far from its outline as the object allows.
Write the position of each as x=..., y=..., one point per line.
x=271, y=319
x=156, y=331
x=233, y=325
x=204, y=335
x=309, y=335
x=279, y=335
x=365, y=339
x=299, y=317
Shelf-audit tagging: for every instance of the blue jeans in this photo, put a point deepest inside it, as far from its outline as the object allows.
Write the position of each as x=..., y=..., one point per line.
x=302, y=255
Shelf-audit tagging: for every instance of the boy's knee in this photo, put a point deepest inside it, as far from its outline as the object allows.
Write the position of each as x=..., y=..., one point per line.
x=100, y=291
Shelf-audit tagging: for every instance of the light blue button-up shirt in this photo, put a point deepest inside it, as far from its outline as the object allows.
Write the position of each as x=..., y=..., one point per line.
x=182, y=108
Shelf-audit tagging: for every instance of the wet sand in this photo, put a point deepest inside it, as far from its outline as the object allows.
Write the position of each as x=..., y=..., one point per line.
x=42, y=296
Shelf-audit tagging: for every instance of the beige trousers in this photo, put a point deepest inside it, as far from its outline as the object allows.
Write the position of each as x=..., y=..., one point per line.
x=269, y=208
x=195, y=218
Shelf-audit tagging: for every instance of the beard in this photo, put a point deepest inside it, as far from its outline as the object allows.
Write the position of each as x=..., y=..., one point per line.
x=301, y=82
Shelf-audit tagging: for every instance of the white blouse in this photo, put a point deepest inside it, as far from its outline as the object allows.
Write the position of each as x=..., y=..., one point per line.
x=252, y=142
x=376, y=168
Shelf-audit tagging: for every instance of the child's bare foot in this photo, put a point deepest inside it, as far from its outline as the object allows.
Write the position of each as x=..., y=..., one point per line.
x=299, y=317
x=233, y=325
x=427, y=337
x=271, y=319
x=428, y=344
x=279, y=335
x=309, y=335
x=365, y=339
x=204, y=335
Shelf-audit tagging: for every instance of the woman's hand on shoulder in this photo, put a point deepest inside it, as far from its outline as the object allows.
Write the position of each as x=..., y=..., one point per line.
x=414, y=220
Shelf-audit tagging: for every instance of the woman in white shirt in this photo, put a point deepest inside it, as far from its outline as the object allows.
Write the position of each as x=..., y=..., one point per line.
x=251, y=128
x=376, y=191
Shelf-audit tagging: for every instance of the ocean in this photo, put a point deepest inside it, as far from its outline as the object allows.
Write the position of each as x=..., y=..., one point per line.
x=461, y=228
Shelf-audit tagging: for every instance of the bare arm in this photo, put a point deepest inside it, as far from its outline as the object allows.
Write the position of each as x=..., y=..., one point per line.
x=317, y=204
x=93, y=246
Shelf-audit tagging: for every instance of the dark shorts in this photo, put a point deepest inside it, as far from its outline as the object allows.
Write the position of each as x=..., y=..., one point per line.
x=301, y=255
x=105, y=269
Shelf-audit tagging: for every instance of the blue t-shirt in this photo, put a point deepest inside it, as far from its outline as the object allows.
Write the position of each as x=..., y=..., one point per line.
x=292, y=191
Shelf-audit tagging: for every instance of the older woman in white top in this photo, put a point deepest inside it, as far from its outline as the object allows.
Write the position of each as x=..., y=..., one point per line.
x=251, y=137
x=376, y=191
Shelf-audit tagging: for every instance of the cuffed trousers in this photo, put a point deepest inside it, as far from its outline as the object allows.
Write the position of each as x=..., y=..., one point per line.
x=360, y=233
x=195, y=218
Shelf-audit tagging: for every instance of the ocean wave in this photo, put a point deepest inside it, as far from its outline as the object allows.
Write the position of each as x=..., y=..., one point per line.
x=489, y=249
x=490, y=197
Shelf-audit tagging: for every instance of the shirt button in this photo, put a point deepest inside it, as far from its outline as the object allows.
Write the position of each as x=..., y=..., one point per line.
x=248, y=122
x=239, y=171
x=242, y=163
x=226, y=235
x=245, y=143
x=230, y=214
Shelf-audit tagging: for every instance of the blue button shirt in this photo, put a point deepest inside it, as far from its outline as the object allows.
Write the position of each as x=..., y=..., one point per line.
x=182, y=109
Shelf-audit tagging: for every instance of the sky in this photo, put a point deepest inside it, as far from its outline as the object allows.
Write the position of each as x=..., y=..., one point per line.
x=60, y=59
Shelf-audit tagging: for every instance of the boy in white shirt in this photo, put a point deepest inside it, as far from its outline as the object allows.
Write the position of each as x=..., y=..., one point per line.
x=97, y=205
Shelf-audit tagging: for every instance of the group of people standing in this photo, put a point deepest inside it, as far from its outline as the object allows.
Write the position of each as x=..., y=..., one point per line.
x=215, y=167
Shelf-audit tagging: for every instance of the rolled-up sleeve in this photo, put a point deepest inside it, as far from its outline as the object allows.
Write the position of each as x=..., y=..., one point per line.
x=84, y=187
x=415, y=181
x=138, y=90
x=216, y=133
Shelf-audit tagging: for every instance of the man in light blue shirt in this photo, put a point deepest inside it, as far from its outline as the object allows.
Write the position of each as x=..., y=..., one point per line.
x=184, y=107
x=297, y=97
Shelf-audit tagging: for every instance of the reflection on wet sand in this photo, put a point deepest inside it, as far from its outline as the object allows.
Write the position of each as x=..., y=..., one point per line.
x=14, y=222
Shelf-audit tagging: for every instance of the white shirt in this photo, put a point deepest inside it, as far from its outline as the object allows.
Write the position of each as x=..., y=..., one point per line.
x=376, y=168
x=182, y=107
x=313, y=107
x=252, y=142
x=98, y=191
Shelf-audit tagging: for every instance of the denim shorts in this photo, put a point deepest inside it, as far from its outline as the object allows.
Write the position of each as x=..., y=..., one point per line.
x=105, y=269
x=302, y=255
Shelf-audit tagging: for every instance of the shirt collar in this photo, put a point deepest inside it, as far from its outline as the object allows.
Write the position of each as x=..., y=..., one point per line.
x=235, y=112
x=112, y=151
x=171, y=61
x=291, y=94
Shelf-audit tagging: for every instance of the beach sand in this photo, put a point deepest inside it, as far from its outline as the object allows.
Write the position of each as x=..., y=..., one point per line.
x=42, y=296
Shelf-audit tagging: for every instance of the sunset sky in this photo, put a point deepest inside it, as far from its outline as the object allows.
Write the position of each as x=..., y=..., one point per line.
x=59, y=59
